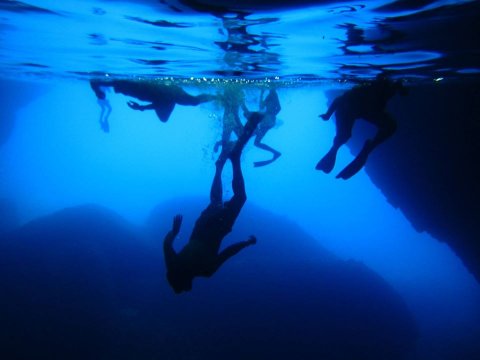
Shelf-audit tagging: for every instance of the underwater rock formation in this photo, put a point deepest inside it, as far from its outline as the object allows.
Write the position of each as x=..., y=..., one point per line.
x=8, y=215
x=83, y=283
x=430, y=167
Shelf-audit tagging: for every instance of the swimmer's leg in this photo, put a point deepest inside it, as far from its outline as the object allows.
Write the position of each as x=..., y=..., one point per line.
x=344, y=125
x=387, y=129
x=238, y=183
x=216, y=191
x=105, y=113
x=276, y=154
x=254, y=119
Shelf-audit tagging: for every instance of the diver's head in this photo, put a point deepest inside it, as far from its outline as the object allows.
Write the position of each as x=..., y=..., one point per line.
x=179, y=281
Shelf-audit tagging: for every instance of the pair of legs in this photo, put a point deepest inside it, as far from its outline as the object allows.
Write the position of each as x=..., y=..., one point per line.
x=234, y=152
x=231, y=123
x=231, y=208
x=344, y=124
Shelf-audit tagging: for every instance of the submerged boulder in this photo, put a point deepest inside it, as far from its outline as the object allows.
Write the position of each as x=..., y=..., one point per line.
x=68, y=281
x=83, y=283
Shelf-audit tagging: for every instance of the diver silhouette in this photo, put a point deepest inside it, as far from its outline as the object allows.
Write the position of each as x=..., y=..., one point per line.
x=201, y=256
x=162, y=98
x=272, y=107
x=368, y=102
x=232, y=99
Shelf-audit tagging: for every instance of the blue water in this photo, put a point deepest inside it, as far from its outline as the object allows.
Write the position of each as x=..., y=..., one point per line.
x=55, y=155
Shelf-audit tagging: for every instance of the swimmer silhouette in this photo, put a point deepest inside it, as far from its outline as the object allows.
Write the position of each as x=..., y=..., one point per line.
x=272, y=107
x=162, y=98
x=232, y=99
x=368, y=102
x=201, y=256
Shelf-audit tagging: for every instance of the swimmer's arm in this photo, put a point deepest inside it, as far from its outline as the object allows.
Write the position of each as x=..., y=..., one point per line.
x=234, y=249
x=331, y=110
x=136, y=106
x=171, y=235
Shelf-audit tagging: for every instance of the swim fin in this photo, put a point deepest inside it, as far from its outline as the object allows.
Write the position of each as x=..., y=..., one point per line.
x=266, y=162
x=327, y=163
x=354, y=167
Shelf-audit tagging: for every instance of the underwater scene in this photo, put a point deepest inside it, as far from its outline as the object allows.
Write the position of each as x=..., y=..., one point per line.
x=241, y=180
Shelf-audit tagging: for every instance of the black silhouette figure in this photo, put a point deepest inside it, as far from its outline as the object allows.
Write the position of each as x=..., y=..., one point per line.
x=272, y=107
x=201, y=257
x=162, y=98
x=232, y=99
x=368, y=102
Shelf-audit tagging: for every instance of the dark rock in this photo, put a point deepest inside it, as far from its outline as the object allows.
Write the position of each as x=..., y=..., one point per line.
x=84, y=284
x=430, y=167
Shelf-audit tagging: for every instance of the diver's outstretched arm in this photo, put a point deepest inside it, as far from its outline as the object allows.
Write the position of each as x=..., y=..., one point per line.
x=333, y=107
x=136, y=106
x=171, y=235
x=234, y=249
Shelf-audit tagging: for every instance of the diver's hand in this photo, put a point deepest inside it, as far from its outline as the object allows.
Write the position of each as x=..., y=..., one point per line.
x=252, y=240
x=177, y=223
x=324, y=117
x=134, y=105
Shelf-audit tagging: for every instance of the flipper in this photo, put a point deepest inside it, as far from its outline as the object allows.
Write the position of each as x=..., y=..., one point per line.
x=263, y=163
x=226, y=152
x=266, y=162
x=354, y=167
x=327, y=163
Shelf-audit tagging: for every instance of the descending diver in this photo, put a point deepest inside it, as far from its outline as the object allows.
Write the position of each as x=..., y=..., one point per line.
x=201, y=256
x=232, y=99
x=162, y=98
x=368, y=102
x=272, y=107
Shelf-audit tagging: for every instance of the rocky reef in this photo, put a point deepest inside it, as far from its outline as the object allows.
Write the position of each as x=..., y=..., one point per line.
x=430, y=167
x=83, y=283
